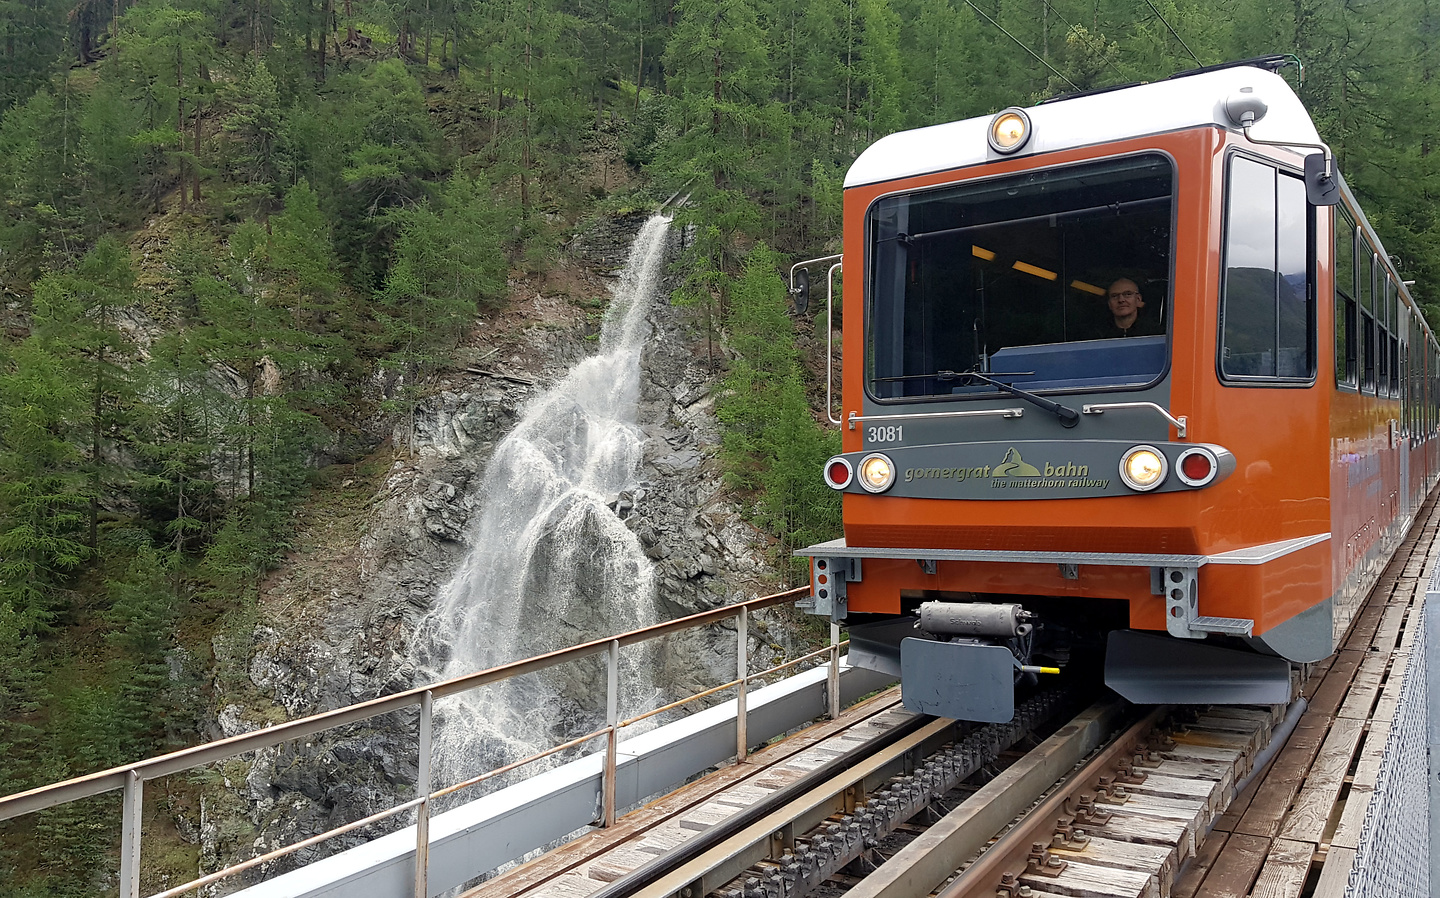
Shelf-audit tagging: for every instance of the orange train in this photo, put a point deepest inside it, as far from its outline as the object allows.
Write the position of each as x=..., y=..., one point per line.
x=1130, y=383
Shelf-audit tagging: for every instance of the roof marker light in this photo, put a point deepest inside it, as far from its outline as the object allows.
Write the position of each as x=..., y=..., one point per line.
x=1009, y=130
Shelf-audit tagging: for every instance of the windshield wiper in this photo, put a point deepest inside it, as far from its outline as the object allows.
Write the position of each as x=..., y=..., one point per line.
x=1067, y=416
x=943, y=375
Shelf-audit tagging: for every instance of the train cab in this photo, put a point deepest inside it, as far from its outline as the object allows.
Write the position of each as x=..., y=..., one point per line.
x=1102, y=364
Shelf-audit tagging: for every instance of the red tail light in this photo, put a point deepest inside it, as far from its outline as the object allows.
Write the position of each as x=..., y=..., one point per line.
x=1196, y=467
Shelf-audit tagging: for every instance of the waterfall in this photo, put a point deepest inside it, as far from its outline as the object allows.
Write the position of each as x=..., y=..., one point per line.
x=551, y=564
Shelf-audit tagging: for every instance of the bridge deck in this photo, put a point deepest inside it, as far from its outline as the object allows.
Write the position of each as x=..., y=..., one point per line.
x=584, y=866
x=1296, y=828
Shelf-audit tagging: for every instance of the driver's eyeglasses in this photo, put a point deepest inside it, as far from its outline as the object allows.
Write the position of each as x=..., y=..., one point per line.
x=1128, y=294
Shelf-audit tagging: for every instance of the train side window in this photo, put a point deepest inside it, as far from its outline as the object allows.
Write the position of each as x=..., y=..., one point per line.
x=1367, y=344
x=1345, y=337
x=1365, y=269
x=1404, y=391
x=1382, y=358
x=1394, y=366
x=1267, y=314
x=1344, y=340
x=1392, y=307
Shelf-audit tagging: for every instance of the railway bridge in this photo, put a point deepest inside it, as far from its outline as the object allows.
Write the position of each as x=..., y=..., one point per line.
x=849, y=793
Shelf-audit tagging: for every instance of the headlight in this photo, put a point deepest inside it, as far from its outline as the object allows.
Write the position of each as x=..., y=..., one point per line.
x=838, y=473
x=877, y=473
x=1196, y=467
x=1009, y=130
x=1143, y=468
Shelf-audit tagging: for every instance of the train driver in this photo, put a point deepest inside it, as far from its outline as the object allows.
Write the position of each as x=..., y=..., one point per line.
x=1125, y=302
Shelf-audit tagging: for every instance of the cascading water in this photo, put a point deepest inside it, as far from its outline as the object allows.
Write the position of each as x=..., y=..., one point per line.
x=552, y=565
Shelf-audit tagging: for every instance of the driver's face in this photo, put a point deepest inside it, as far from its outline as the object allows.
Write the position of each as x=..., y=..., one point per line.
x=1124, y=298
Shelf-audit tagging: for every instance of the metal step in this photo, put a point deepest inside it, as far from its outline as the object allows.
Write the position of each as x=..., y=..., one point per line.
x=1234, y=626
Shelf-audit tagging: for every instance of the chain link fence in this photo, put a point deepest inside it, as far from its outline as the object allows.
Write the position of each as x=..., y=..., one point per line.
x=1394, y=855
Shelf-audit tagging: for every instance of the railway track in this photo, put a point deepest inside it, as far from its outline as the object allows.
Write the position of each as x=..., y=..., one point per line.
x=1102, y=803
x=1107, y=802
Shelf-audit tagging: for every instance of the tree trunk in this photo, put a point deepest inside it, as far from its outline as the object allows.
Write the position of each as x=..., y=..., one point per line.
x=180, y=510
x=195, y=165
x=250, y=434
x=716, y=173
x=95, y=427
x=324, y=21
x=640, y=70
x=525, y=115
x=180, y=118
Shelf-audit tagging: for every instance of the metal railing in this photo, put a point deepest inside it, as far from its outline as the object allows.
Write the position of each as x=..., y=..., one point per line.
x=132, y=778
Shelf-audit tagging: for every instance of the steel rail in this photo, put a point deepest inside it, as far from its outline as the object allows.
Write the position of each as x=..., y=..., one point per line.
x=1011, y=852
x=919, y=867
x=848, y=788
x=811, y=796
x=177, y=762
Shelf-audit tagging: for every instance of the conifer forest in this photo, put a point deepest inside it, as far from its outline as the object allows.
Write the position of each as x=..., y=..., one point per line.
x=223, y=223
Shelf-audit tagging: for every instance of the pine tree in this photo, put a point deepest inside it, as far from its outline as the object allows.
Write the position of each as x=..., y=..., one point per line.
x=447, y=260
x=76, y=317
x=43, y=483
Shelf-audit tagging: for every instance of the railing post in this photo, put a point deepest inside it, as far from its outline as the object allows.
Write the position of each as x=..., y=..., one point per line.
x=612, y=719
x=132, y=802
x=424, y=786
x=742, y=669
x=834, y=677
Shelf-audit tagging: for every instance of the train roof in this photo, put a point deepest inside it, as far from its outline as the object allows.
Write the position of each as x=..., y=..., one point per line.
x=1179, y=103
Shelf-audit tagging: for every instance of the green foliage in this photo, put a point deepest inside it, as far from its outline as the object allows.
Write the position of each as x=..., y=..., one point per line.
x=772, y=444
x=43, y=487
x=22, y=694
x=75, y=318
x=142, y=616
x=221, y=227
x=254, y=161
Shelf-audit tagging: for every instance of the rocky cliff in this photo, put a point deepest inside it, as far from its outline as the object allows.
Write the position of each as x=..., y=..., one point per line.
x=335, y=623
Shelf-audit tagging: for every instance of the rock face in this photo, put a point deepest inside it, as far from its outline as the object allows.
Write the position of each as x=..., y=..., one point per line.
x=336, y=624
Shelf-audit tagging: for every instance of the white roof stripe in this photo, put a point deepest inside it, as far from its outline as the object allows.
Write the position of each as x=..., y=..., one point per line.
x=1192, y=101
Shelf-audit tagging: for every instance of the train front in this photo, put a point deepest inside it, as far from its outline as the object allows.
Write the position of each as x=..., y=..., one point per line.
x=1029, y=332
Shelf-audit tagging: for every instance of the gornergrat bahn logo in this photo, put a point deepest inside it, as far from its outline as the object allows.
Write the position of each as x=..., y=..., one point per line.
x=1014, y=472
x=1012, y=465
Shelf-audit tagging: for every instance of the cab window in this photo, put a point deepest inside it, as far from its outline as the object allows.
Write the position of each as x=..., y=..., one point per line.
x=1052, y=279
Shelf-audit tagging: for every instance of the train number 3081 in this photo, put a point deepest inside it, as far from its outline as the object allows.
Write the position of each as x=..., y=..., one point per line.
x=894, y=434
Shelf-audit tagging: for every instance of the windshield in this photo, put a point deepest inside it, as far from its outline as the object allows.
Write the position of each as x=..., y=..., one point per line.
x=1054, y=279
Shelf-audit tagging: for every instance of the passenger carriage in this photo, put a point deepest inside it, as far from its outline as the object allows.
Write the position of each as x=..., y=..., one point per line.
x=1209, y=495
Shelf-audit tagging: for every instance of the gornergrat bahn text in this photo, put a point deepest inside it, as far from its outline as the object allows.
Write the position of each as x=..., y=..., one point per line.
x=1130, y=384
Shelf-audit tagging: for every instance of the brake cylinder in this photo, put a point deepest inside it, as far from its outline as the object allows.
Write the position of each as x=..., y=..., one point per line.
x=974, y=619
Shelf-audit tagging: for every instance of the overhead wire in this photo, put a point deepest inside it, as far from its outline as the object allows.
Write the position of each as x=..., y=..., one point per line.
x=1176, y=33
x=1012, y=37
x=1098, y=42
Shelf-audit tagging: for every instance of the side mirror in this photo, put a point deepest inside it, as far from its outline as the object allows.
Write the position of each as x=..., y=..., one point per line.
x=1322, y=188
x=800, y=290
